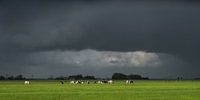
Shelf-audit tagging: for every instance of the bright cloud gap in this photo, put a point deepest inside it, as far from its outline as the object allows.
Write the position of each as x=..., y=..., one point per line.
x=94, y=58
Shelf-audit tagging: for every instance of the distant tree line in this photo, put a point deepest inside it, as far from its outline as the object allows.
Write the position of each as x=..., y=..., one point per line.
x=75, y=77
x=18, y=77
x=115, y=76
x=120, y=76
x=197, y=78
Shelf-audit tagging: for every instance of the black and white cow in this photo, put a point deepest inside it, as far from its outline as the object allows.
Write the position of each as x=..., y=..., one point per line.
x=61, y=82
x=72, y=82
x=26, y=82
x=105, y=82
x=77, y=82
x=129, y=81
x=110, y=82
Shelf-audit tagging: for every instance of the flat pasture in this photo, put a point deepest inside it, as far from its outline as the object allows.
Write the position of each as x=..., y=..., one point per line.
x=140, y=90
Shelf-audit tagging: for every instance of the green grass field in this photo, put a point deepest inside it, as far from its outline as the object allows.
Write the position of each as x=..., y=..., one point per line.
x=141, y=90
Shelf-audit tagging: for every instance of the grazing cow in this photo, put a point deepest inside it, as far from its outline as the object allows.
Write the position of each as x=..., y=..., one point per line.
x=95, y=82
x=110, y=82
x=79, y=82
x=82, y=82
x=105, y=82
x=99, y=82
x=76, y=82
x=129, y=81
x=87, y=82
x=72, y=82
x=26, y=82
x=61, y=82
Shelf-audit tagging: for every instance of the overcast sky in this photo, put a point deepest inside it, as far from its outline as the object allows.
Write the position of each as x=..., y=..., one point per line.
x=153, y=38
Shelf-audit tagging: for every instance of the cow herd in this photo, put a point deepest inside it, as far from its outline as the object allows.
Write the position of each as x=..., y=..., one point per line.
x=99, y=82
x=88, y=82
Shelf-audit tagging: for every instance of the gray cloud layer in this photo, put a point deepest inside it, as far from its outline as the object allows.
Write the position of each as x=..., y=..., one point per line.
x=114, y=27
x=93, y=58
x=88, y=61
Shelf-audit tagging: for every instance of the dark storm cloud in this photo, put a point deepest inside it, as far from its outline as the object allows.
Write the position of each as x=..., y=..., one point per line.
x=168, y=27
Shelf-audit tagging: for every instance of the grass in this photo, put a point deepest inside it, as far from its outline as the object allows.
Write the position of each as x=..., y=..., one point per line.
x=141, y=90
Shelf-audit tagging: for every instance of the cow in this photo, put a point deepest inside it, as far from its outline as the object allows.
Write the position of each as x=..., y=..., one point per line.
x=99, y=82
x=61, y=82
x=129, y=81
x=87, y=82
x=110, y=82
x=26, y=82
x=72, y=82
x=79, y=82
x=105, y=82
x=95, y=82
x=76, y=82
x=82, y=82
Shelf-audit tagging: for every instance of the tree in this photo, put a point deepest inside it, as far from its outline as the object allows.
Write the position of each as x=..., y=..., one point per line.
x=119, y=76
x=60, y=78
x=19, y=77
x=76, y=77
x=134, y=76
x=2, y=77
x=11, y=78
x=89, y=77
